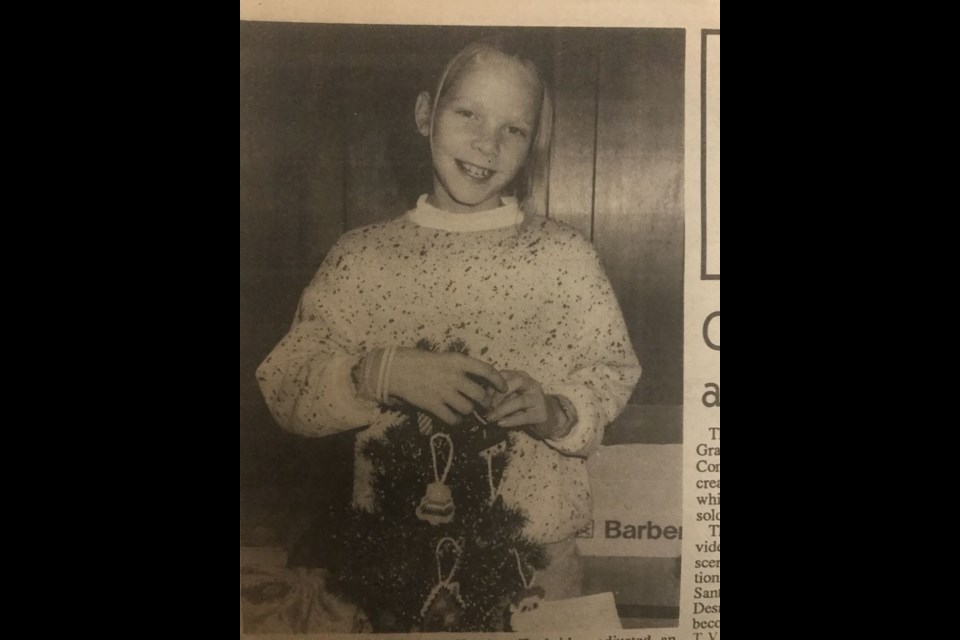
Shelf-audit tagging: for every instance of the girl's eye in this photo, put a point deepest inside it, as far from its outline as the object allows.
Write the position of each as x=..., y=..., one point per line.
x=516, y=131
x=466, y=113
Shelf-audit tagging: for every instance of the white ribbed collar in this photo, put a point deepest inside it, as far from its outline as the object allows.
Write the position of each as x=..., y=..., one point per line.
x=426, y=215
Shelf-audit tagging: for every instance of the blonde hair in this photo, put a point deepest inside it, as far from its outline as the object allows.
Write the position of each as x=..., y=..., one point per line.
x=532, y=179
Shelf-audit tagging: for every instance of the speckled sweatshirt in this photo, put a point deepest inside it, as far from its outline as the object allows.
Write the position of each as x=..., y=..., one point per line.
x=528, y=296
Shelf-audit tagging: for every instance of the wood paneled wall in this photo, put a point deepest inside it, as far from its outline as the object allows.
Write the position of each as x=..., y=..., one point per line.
x=617, y=175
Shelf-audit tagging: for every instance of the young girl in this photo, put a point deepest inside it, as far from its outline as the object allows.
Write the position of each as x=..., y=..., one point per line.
x=550, y=358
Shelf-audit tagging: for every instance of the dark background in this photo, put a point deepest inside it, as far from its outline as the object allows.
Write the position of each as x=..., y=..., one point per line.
x=328, y=143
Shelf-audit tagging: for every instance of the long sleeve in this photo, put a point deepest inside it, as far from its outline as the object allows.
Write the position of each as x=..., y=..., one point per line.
x=604, y=369
x=306, y=379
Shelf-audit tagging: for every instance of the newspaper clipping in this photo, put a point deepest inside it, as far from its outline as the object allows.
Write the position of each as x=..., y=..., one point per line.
x=480, y=319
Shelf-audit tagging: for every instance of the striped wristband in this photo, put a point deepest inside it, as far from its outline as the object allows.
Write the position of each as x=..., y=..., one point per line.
x=371, y=375
x=383, y=378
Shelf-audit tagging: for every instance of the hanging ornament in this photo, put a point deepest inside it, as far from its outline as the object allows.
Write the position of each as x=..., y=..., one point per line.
x=529, y=598
x=481, y=528
x=442, y=609
x=436, y=507
x=489, y=454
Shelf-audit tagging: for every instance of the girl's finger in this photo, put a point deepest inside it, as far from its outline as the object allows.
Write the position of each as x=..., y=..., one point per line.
x=446, y=415
x=473, y=391
x=512, y=405
x=516, y=381
x=518, y=419
x=485, y=371
x=459, y=403
x=440, y=411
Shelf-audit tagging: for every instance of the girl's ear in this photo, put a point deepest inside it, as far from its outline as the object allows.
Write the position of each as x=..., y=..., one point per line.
x=423, y=113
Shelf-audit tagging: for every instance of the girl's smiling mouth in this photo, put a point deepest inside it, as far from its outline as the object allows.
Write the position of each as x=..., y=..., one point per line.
x=474, y=172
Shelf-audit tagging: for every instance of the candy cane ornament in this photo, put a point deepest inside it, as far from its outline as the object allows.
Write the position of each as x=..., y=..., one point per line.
x=443, y=606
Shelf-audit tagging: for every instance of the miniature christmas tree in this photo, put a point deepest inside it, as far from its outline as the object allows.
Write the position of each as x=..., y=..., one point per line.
x=440, y=550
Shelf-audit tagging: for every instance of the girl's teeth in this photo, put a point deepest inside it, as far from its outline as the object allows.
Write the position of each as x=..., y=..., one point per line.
x=475, y=172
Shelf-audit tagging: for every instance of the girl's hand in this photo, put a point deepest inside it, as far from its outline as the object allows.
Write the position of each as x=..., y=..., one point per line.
x=522, y=405
x=525, y=405
x=439, y=382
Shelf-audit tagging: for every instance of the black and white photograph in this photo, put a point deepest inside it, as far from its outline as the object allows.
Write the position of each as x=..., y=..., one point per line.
x=462, y=327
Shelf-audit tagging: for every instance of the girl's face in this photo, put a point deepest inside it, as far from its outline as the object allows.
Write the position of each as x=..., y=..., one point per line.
x=482, y=132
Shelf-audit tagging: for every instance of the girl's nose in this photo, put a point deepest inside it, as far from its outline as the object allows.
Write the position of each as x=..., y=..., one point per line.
x=486, y=144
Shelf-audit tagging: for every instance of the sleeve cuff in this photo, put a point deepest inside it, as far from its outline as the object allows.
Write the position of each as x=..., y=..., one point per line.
x=342, y=396
x=585, y=436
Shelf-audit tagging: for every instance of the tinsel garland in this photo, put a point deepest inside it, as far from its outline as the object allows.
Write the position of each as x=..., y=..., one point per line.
x=384, y=560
